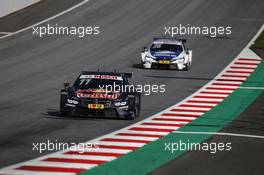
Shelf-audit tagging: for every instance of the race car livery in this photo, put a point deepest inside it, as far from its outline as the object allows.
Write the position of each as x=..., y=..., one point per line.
x=98, y=94
x=167, y=53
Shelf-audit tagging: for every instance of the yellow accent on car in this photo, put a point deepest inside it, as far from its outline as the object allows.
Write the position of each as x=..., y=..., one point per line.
x=96, y=106
x=164, y=62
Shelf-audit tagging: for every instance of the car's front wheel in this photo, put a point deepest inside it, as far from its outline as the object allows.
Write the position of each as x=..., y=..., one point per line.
x=64, y=111
x=188, y=66
x=136, y=108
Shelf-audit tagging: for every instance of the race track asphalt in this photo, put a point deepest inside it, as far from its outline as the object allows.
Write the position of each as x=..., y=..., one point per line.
x=32, y=69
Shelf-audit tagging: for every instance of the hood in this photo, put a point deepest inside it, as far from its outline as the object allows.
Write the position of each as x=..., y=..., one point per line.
x=165, y=54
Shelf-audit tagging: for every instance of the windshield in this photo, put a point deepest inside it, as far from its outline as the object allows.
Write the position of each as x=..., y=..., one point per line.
x=88, y=83
x=166, y=47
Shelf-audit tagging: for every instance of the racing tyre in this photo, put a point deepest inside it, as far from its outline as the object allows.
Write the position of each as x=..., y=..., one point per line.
x=136, y=109
x=141, y=65
x=63, y=110
x=188, y=66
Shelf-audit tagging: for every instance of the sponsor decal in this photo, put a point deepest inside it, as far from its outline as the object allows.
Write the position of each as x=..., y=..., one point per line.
x=108, y=77
x=98, y=95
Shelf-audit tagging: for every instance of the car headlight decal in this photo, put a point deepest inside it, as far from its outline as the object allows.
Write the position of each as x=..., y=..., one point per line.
x=182, y=59
x=121, y=103
x=149, y=57
x=75, y=102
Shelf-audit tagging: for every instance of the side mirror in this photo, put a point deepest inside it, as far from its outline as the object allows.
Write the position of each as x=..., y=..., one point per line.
x=66, y=85
x=145, y=49
x=183, y=40
x=187, y=51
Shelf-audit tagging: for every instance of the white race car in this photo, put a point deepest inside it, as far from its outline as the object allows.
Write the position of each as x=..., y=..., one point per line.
x=167, y=53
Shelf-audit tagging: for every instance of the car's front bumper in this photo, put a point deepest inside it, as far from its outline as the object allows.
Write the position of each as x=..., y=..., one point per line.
x=177, y=64
x=109, y=110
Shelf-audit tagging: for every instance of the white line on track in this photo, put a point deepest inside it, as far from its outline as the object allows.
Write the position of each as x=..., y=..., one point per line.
x=25, y=172
x=5, y=33
x=213, y=95
x=208, y=99
x=107, y=150
x=254, y=88
x=236, y=74
x=48, y=19
x=233, y=78
x=120, y=143
x=87, y=157
x=134, y=137
x=216, y=91
x=145, y=132
x=61, y=164
x=175, y=117
x=251, y=61
x=220, y=133
x=168, y=122
x=159, y=127
x=199, y=104
x=222, y=86
x=227, y=82
x=192, y=108
x=191, y=113
x=241, y=66
x=240, y=69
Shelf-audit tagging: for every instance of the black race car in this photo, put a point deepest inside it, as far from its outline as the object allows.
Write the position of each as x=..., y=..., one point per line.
x=100, y=94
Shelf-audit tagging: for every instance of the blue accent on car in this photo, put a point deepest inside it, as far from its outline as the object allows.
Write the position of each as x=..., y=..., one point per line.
x=165, y=55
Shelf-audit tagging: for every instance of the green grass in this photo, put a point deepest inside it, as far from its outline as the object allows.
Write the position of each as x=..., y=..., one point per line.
x=259, y=43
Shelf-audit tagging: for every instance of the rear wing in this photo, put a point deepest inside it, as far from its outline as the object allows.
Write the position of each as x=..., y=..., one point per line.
x=184, y=40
